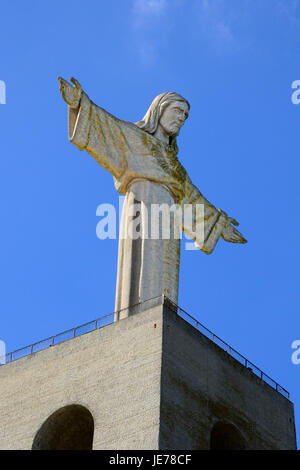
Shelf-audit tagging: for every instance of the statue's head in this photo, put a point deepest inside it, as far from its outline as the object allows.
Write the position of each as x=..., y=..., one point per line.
x=167, y=113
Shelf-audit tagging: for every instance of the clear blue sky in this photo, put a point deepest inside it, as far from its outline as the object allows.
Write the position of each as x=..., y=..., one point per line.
x=235, y=61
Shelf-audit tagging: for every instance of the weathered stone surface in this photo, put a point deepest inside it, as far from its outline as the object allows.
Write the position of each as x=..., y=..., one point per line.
x=150, y=381
x=202, y=385
x=142, y=157
x=114, y=372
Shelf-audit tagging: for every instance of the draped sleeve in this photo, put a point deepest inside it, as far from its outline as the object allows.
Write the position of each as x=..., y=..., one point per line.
x=201, y=220
x=102, y=135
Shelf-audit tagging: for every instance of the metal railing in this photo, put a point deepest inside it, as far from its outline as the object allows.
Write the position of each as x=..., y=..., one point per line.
x=134, y=309
x=100, y=322
x=226, y=347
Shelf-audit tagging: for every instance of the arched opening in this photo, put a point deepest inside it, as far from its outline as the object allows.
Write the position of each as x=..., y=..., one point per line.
x=69, y=428
x=225, y=436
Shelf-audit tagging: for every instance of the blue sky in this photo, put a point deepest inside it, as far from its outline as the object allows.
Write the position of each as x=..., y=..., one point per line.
x=235, y=61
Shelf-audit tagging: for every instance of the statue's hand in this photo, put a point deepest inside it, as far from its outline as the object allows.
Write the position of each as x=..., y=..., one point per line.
x=231, y=234
x=71, y=94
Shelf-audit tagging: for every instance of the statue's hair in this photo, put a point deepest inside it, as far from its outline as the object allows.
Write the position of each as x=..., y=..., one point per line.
x=150, y=121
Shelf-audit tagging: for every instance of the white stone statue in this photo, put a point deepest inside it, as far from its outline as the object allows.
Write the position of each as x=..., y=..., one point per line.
x=142, y=157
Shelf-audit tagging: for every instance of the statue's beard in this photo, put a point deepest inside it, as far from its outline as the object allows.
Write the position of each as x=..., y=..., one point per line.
x=173, y=130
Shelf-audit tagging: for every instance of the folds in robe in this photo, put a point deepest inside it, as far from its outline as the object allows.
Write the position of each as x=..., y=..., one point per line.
x=131, y=154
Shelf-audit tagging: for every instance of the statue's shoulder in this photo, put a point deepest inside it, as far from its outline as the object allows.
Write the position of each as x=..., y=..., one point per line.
x=122, y=122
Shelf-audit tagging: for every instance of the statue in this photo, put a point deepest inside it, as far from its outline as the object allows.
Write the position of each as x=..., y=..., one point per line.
x=142, y=157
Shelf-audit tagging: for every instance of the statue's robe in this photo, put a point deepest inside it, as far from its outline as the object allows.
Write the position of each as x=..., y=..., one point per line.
x=147, y=171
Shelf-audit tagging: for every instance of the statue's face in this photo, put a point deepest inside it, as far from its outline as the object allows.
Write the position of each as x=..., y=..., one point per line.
x=173, y=117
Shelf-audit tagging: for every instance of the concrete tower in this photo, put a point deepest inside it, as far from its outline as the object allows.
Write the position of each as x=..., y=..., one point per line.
x=152, y=380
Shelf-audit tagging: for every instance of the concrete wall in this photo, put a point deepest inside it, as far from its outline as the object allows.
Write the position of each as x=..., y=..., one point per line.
x=150, y=381
x=202, y=385
x=113, y=371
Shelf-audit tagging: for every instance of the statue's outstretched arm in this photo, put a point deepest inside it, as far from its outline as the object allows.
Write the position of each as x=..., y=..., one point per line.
x=71, y=94
x=217, y=222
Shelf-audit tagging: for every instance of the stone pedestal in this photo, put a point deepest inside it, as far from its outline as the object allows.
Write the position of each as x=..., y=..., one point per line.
x=149, y=381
